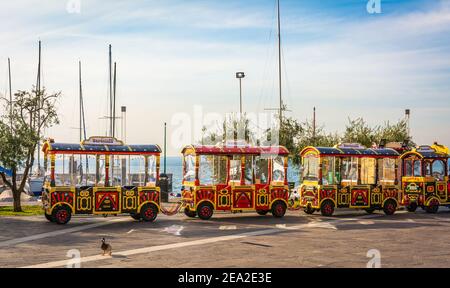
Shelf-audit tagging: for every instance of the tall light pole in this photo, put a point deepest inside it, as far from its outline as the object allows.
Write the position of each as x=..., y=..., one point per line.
x=240, y=76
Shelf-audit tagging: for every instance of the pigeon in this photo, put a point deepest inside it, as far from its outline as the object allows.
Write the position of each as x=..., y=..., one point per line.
x=107, y=249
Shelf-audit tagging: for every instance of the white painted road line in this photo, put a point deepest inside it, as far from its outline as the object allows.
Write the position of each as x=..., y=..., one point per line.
x=228, y=227
x=174, y=229
x=59, y=232
x=62, y=263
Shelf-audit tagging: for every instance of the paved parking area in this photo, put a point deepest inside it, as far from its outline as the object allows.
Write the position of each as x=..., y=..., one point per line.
x=232, y=240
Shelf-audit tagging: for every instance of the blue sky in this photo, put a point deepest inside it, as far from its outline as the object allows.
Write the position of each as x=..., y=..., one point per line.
x=173, y=55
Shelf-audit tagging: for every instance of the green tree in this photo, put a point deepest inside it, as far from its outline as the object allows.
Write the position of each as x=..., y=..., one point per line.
x=290, y=135
x=397, y=132
x=358, y=131
x=20, y=132
x=236, y=127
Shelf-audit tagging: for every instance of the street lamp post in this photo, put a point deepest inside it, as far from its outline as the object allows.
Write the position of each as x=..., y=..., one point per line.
x=240, y=75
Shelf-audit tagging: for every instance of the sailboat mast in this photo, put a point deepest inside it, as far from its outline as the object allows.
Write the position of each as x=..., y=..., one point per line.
x=110, y=91
x=82, y=120
x=81, y=101
x=279, y=63
x=114, y=103
x=38, y=89
x=10, y=94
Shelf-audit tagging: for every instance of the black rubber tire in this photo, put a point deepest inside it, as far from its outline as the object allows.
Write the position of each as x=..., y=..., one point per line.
x=189, y=213
x=262, y=212
x=278, y=209
x=369, y=210
x=412, y=207
x=432, y=209
x=49, y=217
x=327, y=208
x=389, y=207
x=205, y=211
x=309, y=210
x=61, y=215
x=136, y=216
x=149, y=212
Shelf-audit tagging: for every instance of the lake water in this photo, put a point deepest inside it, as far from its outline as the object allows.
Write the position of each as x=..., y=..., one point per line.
x=175, y=167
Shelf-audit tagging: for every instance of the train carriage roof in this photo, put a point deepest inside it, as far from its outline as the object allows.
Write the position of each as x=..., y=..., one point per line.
x=240, y=150
x=65, y=148
x=429, y=152
x=334, y=151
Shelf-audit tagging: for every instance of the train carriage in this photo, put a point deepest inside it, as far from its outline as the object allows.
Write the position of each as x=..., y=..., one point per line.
x=101, y=176
x=234, y=177
x=425, y=178
x=349, y=176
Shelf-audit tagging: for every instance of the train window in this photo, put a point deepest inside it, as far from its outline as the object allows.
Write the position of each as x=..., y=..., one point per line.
x=100, y=171
x=248, y=176
x=310, y=168
x=235, y=168
x=137, y=171
x=329, y=171
x=427, y=168
x=213, y=170
x=386, y=171
x=220, y=170
x=261, y=170
x=417, y=168
x=120, y=170
x=115, y=170
x=368, y=167
x=278, y=169
x=80, y=171
x=89, y=168
x=413, y=168
x=438, y=170
x=206, y=169
x=189, y=168
x=62, y=175
x=349, y=170
x=151, y=171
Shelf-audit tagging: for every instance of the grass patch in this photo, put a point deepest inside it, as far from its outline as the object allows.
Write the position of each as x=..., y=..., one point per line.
x=27, y=211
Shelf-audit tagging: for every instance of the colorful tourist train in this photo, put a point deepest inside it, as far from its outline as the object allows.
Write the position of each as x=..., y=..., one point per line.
x=425, y=178
x=104, y=176
x=235, y=177
x=384, y=178
x=101, y=176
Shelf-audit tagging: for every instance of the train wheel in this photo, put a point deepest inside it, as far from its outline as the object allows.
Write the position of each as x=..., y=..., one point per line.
x=205, y=211
x=135, y=216
x=61, y=215
x=189, y=213
x=412, y=207
x=432, y=207
x=49, y=217
x=262, y=212
x=278, y=209
x=149, y=212
x=369, y=210
x=309, y=210
x=327, y=208
x=389, y=207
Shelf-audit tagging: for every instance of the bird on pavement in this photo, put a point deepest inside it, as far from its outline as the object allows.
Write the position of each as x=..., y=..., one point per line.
x=106, y=248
